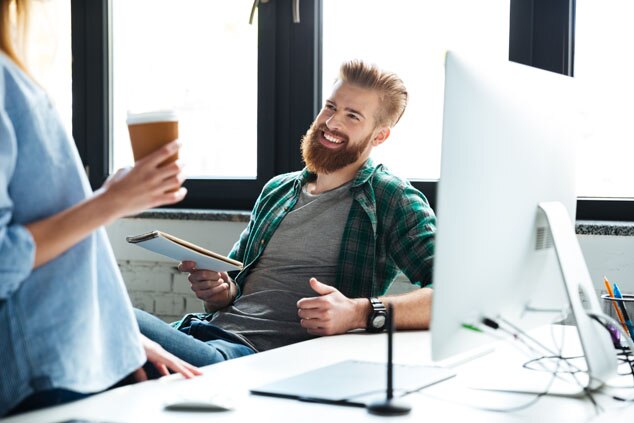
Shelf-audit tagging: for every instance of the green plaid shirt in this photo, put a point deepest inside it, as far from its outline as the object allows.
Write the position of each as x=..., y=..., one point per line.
x=390, y=228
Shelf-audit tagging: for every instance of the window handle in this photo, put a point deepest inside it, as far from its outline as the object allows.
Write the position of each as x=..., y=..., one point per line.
x=295, y=11
x=256, y=4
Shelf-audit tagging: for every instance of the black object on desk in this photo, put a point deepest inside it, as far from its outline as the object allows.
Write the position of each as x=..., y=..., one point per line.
x=354, y=383
x=389, y=406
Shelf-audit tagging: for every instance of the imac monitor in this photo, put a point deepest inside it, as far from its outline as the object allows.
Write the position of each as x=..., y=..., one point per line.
x=505, y=244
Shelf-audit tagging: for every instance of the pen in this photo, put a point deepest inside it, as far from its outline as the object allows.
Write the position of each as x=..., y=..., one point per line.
x=616, y=306
x=626, y=316
x=471, y=327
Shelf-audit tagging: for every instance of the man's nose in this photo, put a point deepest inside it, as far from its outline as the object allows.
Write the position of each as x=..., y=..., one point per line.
x=333, y=122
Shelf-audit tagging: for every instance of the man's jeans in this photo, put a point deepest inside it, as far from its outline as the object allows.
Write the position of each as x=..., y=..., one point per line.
x=196, y=341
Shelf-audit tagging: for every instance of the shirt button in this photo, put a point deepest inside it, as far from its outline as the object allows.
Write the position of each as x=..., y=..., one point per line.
x=262, y=242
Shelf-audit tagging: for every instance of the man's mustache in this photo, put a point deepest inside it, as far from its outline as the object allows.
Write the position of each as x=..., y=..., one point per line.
x=324, y=128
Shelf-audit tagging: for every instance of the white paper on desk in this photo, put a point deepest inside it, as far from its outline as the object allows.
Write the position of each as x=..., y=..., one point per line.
x=181, y=250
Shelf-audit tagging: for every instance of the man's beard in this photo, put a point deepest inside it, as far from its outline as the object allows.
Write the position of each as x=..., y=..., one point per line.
x=320, y=159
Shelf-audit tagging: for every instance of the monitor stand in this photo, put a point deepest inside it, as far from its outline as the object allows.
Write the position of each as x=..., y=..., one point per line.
x=596, y=344
x=595, y=340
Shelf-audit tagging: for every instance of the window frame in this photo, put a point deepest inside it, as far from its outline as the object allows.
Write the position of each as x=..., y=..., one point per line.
x=289, y=92
x=90, y=75
x=542, y=35
x=289, y=59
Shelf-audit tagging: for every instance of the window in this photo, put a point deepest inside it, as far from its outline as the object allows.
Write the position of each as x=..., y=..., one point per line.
x=290, y=80
x=411, y=40
x=605, y=69
x=49, y=53
x=266, y=94
x=549, y=34
x=200, y=58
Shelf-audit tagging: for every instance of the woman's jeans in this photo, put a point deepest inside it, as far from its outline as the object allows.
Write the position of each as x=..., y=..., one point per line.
x=196, y=341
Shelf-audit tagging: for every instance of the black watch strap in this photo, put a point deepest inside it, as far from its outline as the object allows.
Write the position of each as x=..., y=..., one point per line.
x=377, y=317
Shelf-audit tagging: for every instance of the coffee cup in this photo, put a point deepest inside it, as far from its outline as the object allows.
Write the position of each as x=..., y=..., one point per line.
x=149, y=131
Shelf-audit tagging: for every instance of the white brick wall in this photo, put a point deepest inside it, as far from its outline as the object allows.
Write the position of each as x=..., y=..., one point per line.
x=152, y=280
x=159, y=288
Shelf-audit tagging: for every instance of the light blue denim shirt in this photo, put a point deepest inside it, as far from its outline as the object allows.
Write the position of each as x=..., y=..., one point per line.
x=69, y=323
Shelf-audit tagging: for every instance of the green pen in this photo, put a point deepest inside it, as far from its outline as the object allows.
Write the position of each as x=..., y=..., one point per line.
x=471, y=327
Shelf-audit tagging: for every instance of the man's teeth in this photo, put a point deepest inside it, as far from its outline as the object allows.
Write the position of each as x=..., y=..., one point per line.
x=332, y=139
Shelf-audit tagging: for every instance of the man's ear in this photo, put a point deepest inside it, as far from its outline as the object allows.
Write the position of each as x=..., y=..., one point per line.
x=381, y=136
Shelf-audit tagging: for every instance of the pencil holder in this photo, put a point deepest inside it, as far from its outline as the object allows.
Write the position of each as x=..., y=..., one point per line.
x=608, y=303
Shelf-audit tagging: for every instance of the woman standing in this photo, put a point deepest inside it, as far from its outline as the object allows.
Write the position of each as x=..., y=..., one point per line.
x=66, y=325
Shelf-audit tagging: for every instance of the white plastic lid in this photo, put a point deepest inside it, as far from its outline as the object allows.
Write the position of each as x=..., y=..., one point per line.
x=156, y=116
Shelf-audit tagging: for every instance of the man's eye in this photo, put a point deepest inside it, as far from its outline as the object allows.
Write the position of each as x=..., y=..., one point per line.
x=329, y=107
x=353, y=116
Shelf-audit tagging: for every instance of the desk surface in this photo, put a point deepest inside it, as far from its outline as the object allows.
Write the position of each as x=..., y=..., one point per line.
x=452, y=400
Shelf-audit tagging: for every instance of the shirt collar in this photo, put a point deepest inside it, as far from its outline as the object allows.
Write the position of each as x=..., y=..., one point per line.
x=363, y=174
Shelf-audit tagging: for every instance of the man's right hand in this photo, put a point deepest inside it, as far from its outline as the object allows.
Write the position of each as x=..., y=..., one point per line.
x=216, y=289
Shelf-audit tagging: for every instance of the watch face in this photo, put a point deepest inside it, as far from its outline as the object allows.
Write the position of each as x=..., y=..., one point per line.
x=378, y=321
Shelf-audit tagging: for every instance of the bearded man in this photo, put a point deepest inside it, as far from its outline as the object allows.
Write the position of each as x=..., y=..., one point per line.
x=323, y=245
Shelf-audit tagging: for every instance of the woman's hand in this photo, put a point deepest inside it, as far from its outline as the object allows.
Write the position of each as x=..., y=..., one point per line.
x=164, y=362
x=150, y=183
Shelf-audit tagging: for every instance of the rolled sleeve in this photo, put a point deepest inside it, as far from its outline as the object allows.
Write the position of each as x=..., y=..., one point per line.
x=17, y=253
x=17, y=248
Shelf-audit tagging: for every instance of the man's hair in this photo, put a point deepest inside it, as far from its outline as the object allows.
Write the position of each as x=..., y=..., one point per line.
x=390, y=88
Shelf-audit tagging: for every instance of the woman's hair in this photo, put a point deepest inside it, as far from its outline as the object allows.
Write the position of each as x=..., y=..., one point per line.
x=13, y=27
x=390, y=88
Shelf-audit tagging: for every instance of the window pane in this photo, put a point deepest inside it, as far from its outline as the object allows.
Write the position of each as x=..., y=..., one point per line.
x=199, y=57
x=410, y=38
x=604, y=67
x=49, y=54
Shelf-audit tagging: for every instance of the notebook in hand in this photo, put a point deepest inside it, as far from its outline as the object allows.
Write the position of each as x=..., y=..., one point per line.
x=353, y=383
x=180, y=250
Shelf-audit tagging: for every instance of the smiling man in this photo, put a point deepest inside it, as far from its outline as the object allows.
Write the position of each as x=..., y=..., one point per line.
x=323, y=244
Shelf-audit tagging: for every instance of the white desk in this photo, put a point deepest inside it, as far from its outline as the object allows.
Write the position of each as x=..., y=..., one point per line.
x=451, y=400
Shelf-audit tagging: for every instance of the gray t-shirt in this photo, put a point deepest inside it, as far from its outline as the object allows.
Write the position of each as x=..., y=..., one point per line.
x=305, y=245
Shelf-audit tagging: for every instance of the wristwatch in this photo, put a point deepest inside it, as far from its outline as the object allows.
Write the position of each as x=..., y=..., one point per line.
x=377, y=316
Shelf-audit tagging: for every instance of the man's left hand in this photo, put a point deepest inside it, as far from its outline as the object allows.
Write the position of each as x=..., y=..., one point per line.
x=331, y=312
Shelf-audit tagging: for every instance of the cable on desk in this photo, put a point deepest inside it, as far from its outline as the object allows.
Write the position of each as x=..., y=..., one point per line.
x=527, y=365
x=624, y=355
x=588, y=393
x=571, y=369
x=495, y=326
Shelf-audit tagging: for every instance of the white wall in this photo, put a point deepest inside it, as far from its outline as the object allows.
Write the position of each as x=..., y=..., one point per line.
x=609, y=256
x=155, y=285
x=152, y=280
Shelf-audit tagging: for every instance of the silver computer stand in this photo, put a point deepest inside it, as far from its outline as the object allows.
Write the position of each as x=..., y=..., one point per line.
x=595, y=340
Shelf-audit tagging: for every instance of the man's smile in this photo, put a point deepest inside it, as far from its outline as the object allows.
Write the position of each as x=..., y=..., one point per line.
x=330, y=140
